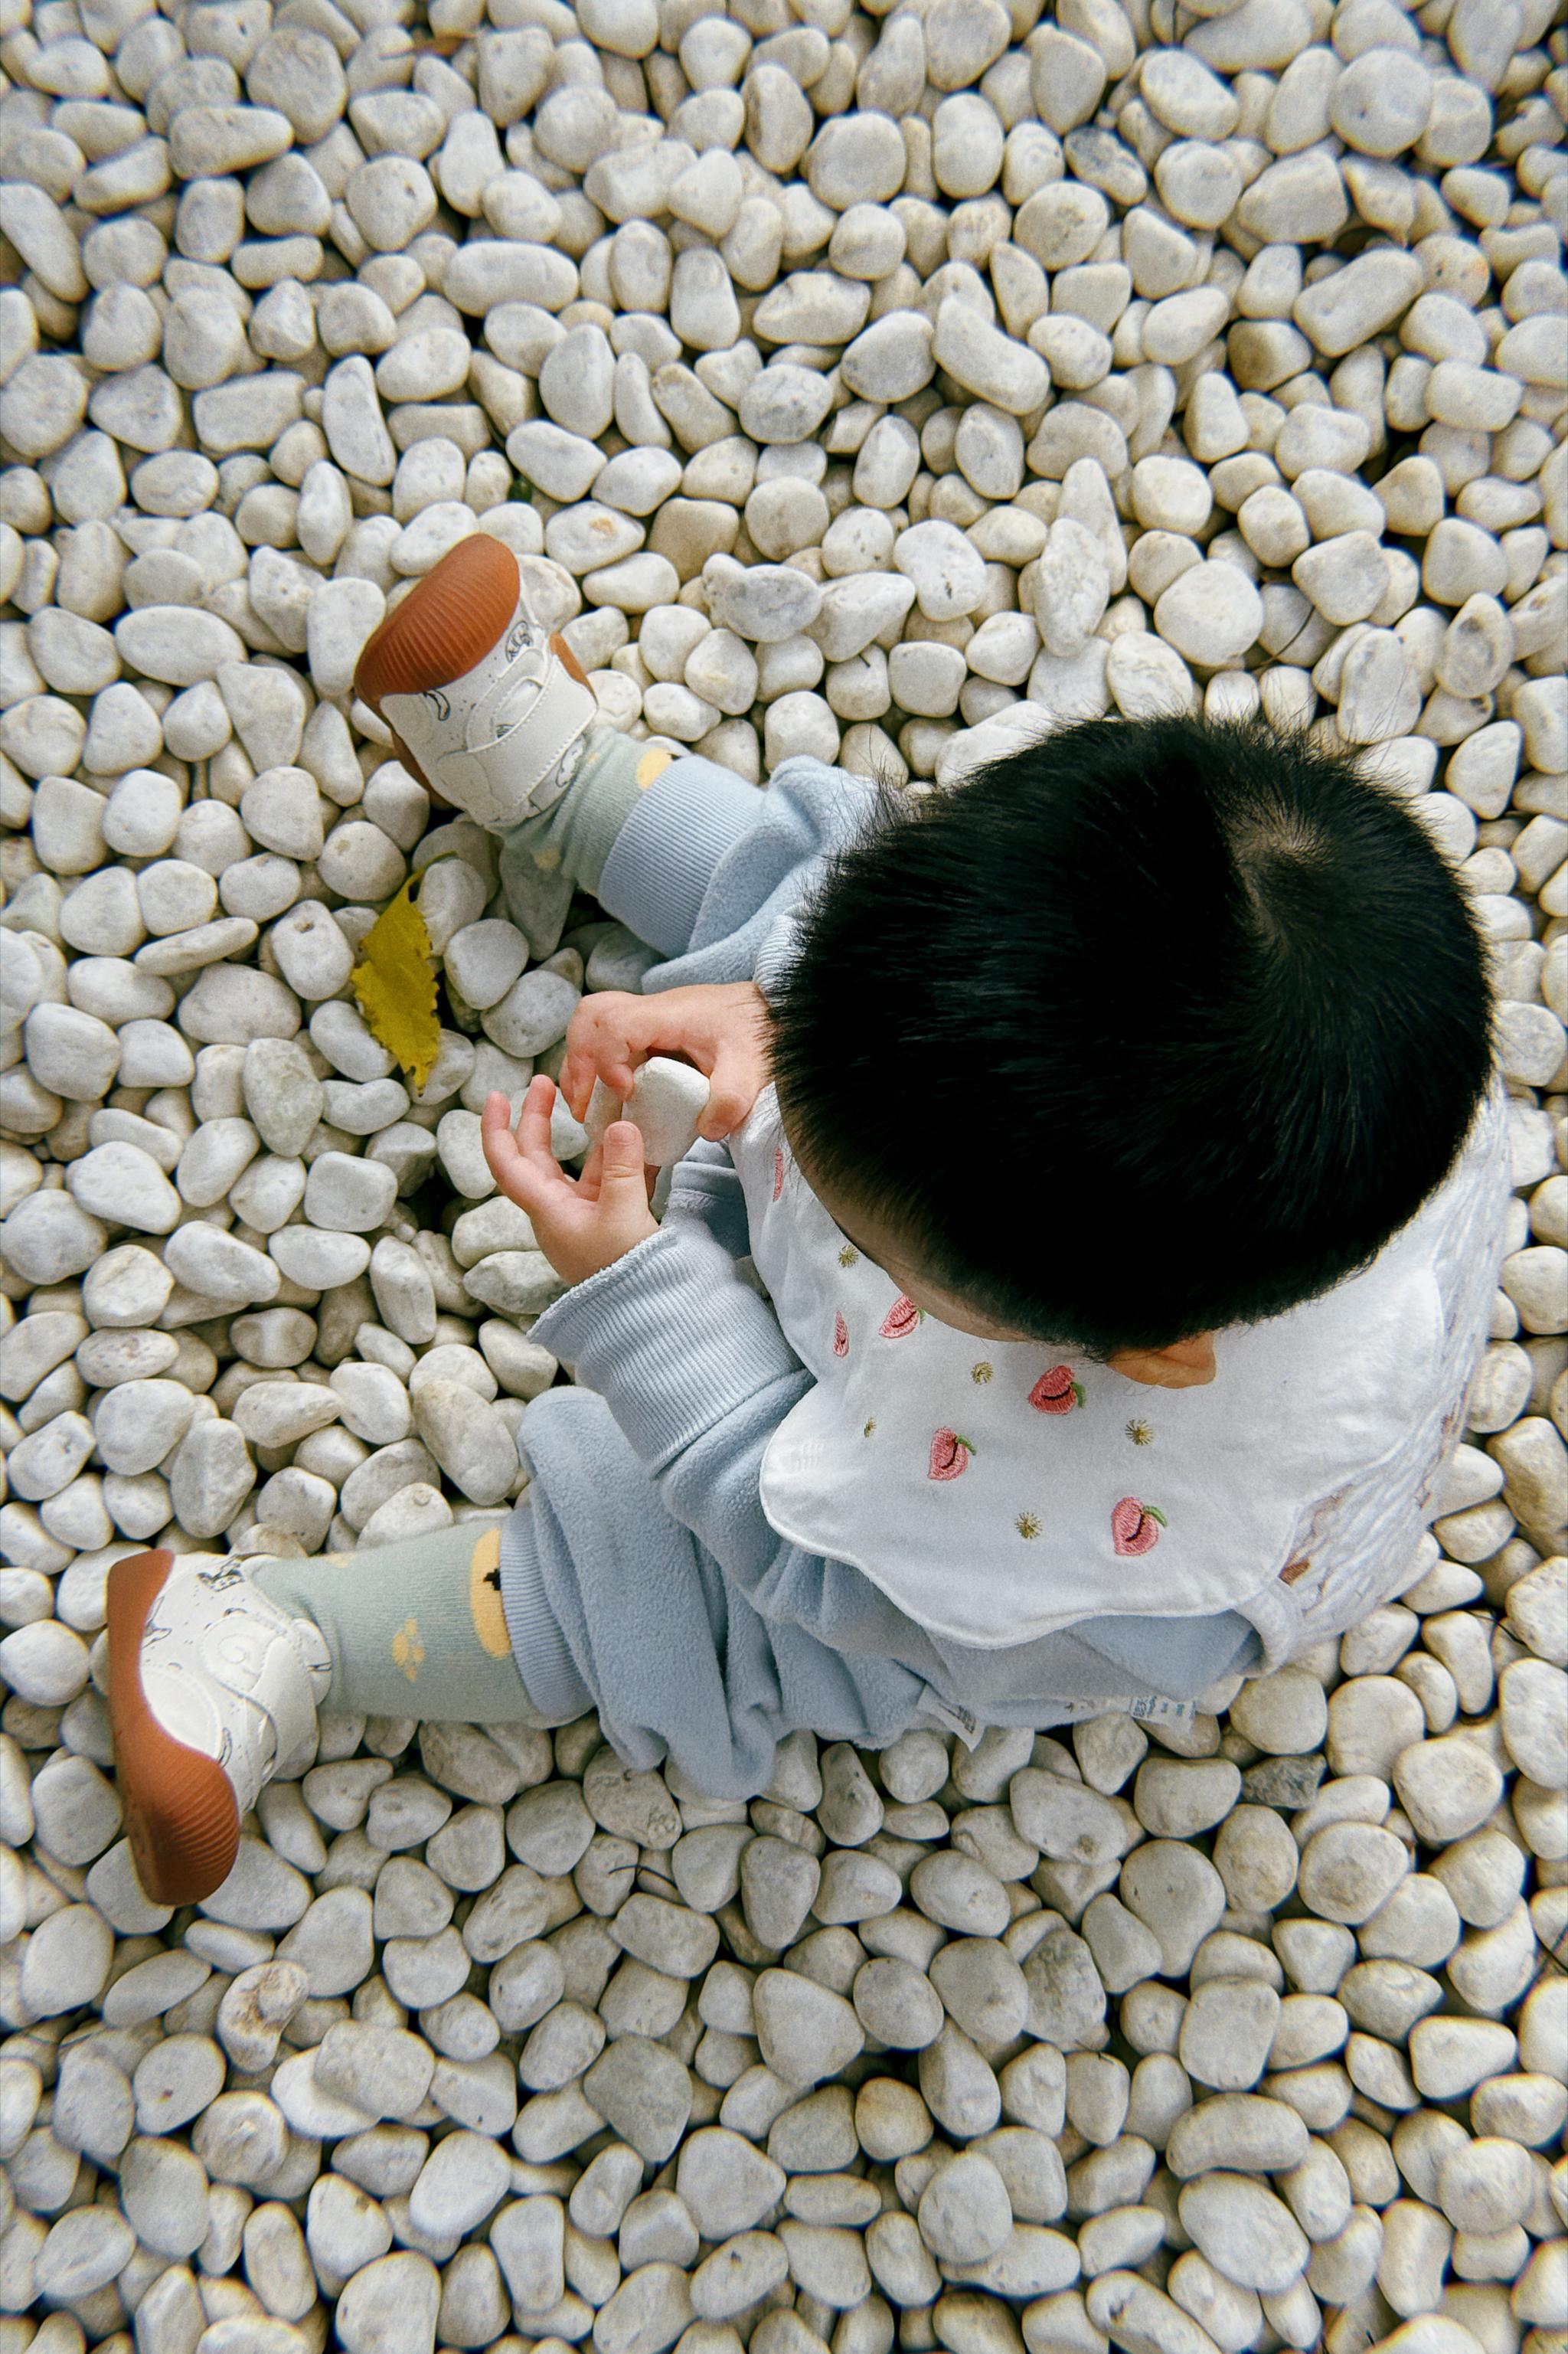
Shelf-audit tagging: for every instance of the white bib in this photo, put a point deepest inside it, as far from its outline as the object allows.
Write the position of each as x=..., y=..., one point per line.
x=998, y=1492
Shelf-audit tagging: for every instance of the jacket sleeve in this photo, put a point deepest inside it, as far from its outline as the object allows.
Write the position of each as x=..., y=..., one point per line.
x=692, y=1364
x=706, y=1186
x=704, y=866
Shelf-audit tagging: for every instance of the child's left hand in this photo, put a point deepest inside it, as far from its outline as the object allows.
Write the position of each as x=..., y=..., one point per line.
x=583, y=1223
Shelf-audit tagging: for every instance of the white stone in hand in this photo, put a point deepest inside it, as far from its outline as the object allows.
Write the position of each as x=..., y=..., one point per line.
x=667, y=1100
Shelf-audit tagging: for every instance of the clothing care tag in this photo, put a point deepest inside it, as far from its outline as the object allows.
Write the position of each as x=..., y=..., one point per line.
x=1144, y=1708
x=1148, y=1708
x=1154, y=1708
x=961, y=1721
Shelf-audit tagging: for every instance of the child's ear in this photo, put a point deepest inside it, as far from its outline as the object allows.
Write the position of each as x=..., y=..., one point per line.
x=1185, y=1364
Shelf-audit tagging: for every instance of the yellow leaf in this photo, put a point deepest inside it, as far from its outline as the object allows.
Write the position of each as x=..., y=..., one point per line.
x=397, y=988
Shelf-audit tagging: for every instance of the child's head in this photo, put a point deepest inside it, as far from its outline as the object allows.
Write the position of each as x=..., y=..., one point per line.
x=1148, y=1029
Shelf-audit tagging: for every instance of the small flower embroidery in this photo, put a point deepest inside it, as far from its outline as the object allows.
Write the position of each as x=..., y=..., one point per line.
x=982, y=1371
x=1057, y=1391
x=848, y=1255
x=1140, y=1432
x=949, y=1455
x=777, y=1170
x=1135, y=1527
x=841, y=1336
x=901, y=1318
x=406, y=1648
x=1027, y=1524
x=869, y=1428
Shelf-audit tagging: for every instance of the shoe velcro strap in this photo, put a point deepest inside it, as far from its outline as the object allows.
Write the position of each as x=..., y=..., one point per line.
x=502, y=783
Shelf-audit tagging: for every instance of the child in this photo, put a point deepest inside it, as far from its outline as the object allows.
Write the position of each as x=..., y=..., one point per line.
x=1115, y=1139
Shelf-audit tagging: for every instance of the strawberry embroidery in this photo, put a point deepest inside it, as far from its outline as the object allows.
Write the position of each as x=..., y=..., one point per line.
x=777, y=1170
x=949, y=1456
x=1135, y=1527
x=1057, y=1391
x=901, y=1318
x=841, y=1336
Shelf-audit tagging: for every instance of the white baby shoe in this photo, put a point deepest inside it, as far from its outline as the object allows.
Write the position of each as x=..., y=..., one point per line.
x=486, y=706
x=212, y=1690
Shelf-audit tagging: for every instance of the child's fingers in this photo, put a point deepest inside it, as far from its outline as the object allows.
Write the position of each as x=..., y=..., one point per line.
x=622, y=1185
x=522, y=1166
x=577, y=1070
x=578, y=1077
x=504, y=1161
x=599, y=1047
x=533, y=1128
x=732, y=1090
x=576, y=1082
x=495, y=1122
x=618, y=1031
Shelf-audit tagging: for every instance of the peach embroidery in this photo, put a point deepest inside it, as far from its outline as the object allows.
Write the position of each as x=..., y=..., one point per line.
x=1135, y=1527
x=949, y=1456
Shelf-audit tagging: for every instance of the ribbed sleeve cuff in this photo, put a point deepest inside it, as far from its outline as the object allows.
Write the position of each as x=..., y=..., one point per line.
x=657, y=877
x=778, y=953
x=670, y=1337
x=548, y=1672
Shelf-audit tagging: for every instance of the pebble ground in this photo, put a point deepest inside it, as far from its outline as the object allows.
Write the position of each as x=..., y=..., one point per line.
x=872, y=384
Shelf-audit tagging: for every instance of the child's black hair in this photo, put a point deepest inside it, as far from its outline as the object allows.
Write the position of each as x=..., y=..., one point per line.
x=1151, y=1028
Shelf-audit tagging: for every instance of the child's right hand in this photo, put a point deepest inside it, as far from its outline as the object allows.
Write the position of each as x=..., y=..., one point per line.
x=721, y=1027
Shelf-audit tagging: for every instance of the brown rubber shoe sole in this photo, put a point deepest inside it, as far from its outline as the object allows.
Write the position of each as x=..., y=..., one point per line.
x=444, y=627
x=180, y=1815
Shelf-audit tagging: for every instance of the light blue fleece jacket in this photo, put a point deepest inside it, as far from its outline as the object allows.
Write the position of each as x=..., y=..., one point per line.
x=642, y=1575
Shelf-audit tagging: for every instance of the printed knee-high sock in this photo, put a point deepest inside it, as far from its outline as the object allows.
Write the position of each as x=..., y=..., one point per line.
x=414, y=1628
x=577, y=833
